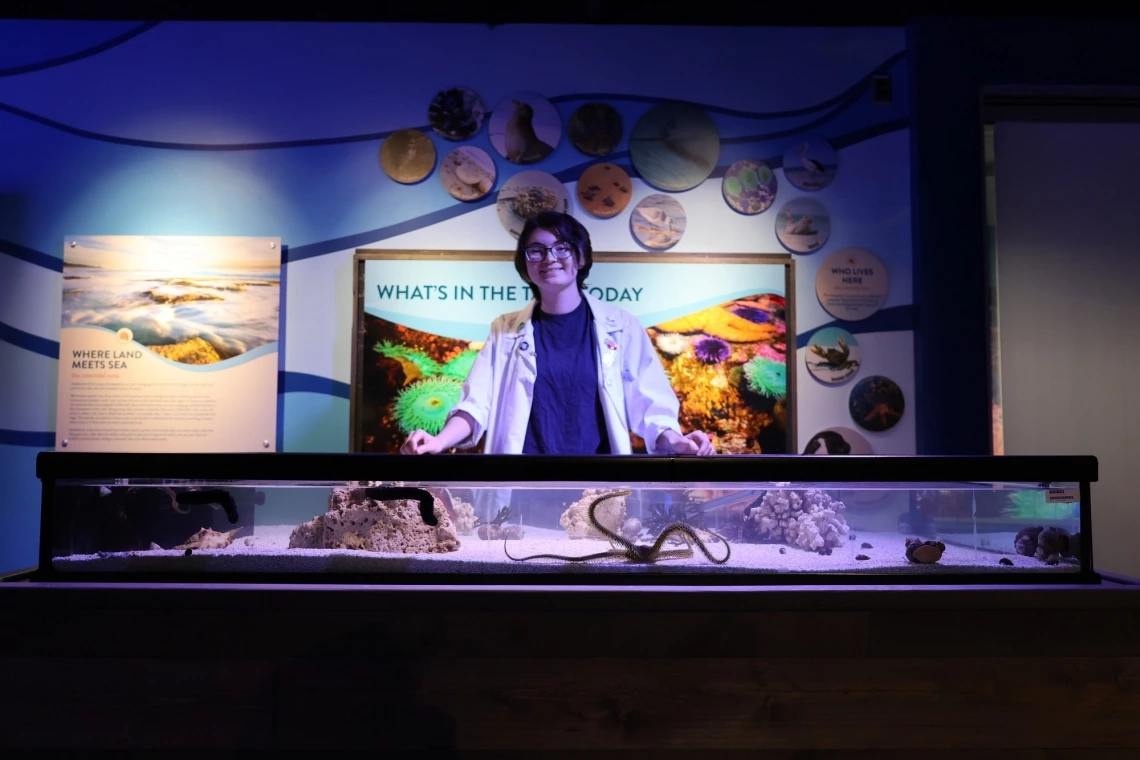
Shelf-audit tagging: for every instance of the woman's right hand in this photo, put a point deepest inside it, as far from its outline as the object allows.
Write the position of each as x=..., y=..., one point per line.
x=455, y=430
x=421, y=442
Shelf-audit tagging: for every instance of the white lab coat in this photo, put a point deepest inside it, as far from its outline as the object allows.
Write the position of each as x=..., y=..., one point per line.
x=636, y=394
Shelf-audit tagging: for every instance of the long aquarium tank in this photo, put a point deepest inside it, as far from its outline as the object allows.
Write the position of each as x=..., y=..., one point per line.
x=523, y=519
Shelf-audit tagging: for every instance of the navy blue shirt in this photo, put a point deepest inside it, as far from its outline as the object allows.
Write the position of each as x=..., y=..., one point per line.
x=566, y=415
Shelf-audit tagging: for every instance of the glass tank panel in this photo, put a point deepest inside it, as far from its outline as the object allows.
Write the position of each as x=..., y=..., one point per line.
x=516, y=520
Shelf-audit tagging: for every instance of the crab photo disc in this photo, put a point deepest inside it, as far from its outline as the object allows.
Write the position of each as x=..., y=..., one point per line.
x=833, y=355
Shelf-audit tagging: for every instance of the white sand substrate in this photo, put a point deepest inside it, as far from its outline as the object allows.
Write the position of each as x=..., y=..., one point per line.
x=268, y=552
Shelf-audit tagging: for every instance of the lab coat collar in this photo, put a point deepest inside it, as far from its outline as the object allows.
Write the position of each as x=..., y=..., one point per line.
x=606, y=317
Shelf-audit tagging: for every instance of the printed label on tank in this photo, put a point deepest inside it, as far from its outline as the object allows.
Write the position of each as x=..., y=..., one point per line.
x=1062, y=496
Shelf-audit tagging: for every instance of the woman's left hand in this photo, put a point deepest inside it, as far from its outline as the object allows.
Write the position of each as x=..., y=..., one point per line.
x=696, y=443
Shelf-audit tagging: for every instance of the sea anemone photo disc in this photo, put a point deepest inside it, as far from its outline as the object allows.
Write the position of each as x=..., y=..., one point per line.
x=749, y=186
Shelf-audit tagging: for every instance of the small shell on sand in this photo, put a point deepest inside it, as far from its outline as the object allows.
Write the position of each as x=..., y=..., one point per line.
x=924, y=552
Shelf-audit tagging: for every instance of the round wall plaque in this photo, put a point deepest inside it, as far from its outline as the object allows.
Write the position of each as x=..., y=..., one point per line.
x=851, y=284
x=407, y=156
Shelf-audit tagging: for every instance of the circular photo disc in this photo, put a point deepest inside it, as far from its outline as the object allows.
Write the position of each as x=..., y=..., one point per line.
x=407, y=156
x=876, y=403
x=674, y=146
x=803, y=225
x=658, y=221
x=810, y=163
x=595, y=129
x=467, y=173
x=833, y=355
x=456, y=113
x=838, y=441
x=525, y=128
x=851, y=284
x=749, y=186
x=604, y=190
x=527, y=194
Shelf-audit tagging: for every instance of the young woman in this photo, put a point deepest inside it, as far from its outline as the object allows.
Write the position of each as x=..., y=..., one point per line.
x=567, y=374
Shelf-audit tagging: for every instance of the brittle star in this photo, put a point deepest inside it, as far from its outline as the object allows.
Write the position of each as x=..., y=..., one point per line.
x=636, y=552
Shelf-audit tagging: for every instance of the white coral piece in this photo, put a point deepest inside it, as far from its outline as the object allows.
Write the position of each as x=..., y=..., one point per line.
x=464, y=516
x=811, y=520
x=610, y=513
x=672, y=344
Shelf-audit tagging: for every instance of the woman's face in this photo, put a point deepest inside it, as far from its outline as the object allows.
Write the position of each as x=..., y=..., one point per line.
x=551, y=275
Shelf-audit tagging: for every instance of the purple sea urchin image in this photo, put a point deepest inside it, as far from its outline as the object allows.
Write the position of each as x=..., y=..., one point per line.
x=711, y=350
x=752, y=314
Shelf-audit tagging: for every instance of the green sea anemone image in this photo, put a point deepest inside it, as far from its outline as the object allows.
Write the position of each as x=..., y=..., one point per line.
x=749, y=179
x=766, y=377
x=424, y=405
x=460, y=365
x=427, y=366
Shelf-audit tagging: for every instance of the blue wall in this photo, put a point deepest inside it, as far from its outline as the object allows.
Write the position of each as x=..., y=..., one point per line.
x=274, y=129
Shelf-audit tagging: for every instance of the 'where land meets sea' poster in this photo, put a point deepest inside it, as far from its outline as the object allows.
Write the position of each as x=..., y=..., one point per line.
x=169, y=344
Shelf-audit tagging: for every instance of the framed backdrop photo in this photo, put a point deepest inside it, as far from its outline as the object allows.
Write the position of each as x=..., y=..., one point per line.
x=720, y=324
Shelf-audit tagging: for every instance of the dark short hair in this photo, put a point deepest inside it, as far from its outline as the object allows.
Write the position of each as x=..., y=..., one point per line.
x=566, y=228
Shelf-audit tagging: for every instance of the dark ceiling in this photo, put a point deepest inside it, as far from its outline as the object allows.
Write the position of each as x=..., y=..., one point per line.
x=642, y=12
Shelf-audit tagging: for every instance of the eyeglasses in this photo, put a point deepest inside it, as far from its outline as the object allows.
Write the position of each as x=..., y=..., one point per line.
x=536, y=252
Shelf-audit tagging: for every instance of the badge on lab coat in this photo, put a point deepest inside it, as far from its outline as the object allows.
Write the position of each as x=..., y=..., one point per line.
x=608, y=357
